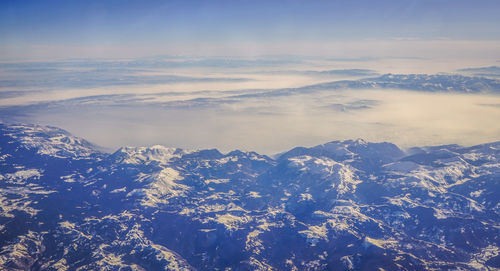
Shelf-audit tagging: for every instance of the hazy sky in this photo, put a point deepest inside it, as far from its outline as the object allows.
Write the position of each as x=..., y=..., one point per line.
x=123, y=72
x=45, y=29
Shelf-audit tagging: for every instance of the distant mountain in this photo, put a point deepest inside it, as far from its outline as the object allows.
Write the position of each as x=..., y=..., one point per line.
x=343, y=205
x=491, y=71
x=422, y=82
x=443, y=83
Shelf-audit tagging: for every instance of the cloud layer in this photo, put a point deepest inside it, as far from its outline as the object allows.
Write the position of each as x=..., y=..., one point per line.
x=262, y=104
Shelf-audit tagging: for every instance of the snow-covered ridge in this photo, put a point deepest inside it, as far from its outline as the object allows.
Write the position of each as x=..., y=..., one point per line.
x=145, y=155
x=47, y=140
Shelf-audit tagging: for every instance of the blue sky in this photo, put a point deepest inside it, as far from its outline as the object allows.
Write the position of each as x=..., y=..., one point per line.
x=138, y=24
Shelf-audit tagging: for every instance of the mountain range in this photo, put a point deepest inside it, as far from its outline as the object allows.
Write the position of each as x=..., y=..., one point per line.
x=343, y=205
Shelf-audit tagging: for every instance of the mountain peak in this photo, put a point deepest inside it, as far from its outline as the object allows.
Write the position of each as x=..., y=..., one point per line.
x=156, y=153
x=48, y=140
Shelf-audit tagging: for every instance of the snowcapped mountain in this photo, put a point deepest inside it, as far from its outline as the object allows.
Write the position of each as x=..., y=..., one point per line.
x=343, y=205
